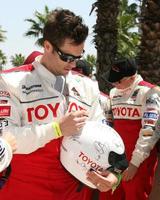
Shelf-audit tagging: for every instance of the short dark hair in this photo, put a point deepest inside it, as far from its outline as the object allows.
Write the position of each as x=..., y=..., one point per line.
x=62, y=24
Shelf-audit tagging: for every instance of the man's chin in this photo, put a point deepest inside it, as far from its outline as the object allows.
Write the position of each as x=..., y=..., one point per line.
x=66, y=72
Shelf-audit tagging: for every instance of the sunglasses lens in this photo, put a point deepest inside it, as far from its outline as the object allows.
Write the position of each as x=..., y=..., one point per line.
x=64, y=58
x=71, y=59
x=67, y=58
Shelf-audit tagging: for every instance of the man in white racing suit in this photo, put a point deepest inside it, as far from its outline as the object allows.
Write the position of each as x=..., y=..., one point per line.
x=36, y=101
x=136, y=107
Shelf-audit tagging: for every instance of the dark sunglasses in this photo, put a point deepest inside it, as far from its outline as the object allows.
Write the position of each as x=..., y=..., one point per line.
x=67, y=57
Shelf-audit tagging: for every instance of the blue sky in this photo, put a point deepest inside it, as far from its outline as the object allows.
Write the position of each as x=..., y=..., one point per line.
x=13, y=13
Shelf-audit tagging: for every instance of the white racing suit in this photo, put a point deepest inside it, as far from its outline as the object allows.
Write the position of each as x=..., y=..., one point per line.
x=105, y=103
x=31, y=98
x=135, y=111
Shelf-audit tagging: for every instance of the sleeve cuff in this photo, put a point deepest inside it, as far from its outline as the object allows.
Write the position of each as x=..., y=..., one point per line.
x=136, y=160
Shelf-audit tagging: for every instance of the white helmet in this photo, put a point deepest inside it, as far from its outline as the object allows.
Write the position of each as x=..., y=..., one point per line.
x=5, y=154
x=90, y=150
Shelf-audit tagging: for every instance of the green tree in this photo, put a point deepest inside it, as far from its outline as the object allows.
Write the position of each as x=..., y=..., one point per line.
x=3, y=58
x=91, y=59
x=114, y=34
x=17, y=60
x=37, y=25
x=2, y=37
x=128, y=36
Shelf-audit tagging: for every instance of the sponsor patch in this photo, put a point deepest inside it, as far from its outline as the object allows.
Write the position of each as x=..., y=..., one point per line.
x=5, y=111
x=150, y=115
x=152, y=101
x=31, y=89
x=117, y=96
x=42, y=111
x=76, y=93
x=134, y=95
x=149, y=122
x=4, y=93
x=3, y=123
x=3, y=101
x=126, y=112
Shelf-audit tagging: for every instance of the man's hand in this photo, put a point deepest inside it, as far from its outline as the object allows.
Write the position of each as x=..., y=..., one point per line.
x=130, y=172
x=11, y=140
x=72, y=122
x=104, y=181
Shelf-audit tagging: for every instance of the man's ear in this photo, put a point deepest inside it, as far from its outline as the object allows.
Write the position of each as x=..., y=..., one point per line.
x=48, y=46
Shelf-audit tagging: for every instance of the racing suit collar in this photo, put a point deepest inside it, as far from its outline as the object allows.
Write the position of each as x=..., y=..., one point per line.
x=43, y=72
x=47, y=76
x=130, y=88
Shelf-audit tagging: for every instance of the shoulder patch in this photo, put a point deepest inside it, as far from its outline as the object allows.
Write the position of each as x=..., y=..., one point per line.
x=147, y=84
x=23, y=68
x=5, y=111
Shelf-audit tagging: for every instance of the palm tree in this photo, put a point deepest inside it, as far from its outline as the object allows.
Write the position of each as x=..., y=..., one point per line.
x=37, y=25
x=106, y=30
x=149, y=56
x=128, y=36
x=17, y=60
x=91, y=59
x=3, y=58
x=114, y=34
x=2, y=37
